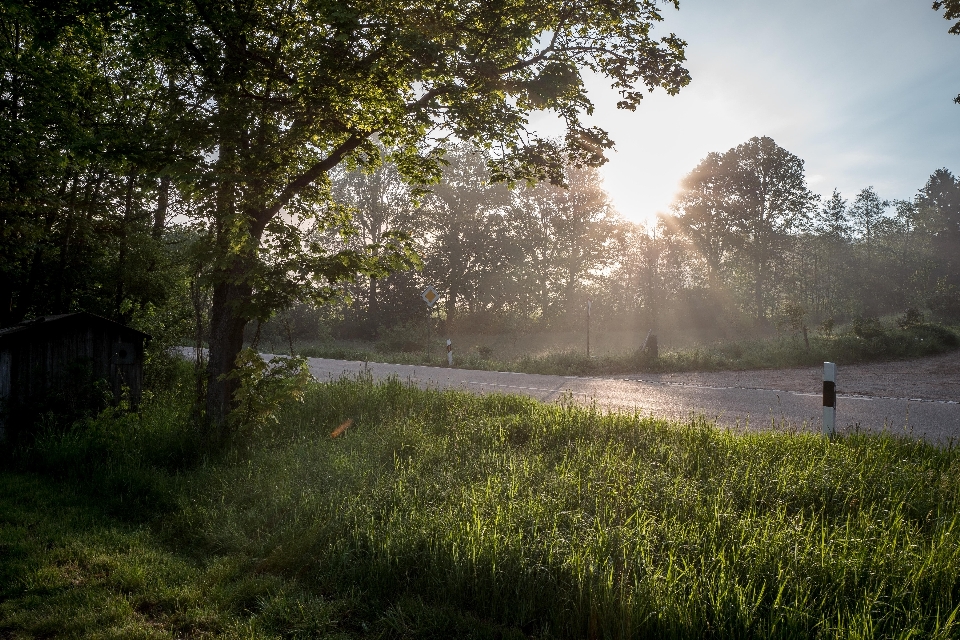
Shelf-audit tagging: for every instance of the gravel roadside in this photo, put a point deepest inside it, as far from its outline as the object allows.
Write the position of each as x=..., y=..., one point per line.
x=932, y=378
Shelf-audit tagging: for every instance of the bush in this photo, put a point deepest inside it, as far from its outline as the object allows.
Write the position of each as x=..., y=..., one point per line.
x=867, y=327
x=945, y=301
x=405, y=338
x=484, y=351
x=938, y=335
x=912, y=317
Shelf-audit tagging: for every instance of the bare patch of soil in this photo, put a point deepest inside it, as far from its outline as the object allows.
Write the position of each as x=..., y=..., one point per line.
x=932, y=378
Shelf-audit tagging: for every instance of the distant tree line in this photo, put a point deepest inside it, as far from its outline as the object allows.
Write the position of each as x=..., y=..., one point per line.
x=497, y=255
x=747, y=246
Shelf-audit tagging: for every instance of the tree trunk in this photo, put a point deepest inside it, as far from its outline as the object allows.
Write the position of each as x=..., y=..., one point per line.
x=6, y=303
x=226, y=341
x=451, y=310
x=160, y=214
x=373, y=309
x=758, y=291
x=120, y=289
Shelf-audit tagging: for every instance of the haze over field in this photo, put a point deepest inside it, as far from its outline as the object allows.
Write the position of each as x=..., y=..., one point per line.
x=862, y=91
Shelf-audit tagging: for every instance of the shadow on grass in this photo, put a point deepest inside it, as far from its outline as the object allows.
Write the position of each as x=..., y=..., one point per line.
x=443, y=514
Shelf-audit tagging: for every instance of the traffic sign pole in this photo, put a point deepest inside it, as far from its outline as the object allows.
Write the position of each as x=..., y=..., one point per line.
x=589, y=304
x=429, y=296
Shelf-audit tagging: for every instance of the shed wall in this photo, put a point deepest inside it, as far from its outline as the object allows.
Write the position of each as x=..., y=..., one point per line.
x=4, y=390
x=56, y=368
x=4, y=374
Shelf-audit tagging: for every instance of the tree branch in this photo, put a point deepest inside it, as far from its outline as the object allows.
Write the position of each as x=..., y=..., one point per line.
x=305, y=179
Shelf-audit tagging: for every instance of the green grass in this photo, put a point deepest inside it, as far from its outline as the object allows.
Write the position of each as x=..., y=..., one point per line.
x=786, y=351
x=442, y=514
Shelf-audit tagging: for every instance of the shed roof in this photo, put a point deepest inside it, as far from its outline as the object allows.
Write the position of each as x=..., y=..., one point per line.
x=61, y=322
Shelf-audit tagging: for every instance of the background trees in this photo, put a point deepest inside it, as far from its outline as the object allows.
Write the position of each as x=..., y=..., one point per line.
x=87, y=129
x=834, y=258
x=495, y=253
x=236, y=112
x=531, y=257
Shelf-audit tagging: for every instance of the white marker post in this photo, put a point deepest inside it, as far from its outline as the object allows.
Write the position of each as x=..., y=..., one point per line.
x=449, y=352
x=589, y=304
x=829, y=399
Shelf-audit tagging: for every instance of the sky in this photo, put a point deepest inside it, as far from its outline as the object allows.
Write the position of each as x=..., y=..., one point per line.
x=861, y=90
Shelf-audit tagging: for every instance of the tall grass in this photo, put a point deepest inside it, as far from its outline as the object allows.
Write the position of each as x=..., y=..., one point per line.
x=566, y=522
x=881, y=343
x=443, y=514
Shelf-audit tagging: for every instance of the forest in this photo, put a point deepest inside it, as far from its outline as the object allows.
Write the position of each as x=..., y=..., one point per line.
x=747, y=246
x=140, y=181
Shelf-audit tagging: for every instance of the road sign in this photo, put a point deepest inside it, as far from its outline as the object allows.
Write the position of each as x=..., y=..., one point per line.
x=430, y=296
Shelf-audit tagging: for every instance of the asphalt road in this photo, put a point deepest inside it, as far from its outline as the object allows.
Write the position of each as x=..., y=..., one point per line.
x=740, y=408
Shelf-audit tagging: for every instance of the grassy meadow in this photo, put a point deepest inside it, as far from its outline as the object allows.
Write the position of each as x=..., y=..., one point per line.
x=618, y=352
x=442, y=514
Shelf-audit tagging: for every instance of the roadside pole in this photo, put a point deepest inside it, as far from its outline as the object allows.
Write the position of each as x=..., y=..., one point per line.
x=429, y=296
x=829, y=399
x=449, y=353
x=589, y=304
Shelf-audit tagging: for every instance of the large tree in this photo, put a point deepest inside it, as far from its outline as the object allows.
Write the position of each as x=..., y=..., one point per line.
x=290, y=90
x=770, y=200
x=869, y=221
x=866, y=216
x=830, y=250
x=466, y=246
x=705, y=209
x=745, y=203
x=565, y=235
x=938, y=204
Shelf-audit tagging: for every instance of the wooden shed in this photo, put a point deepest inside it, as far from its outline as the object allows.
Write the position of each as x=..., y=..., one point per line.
x=66, y=364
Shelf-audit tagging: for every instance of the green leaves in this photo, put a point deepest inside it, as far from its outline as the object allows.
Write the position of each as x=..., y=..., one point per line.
x=951, y=11
x=262, y=388
x=234, y=114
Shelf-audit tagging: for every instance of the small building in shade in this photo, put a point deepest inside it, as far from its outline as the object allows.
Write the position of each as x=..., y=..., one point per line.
x=66, y=365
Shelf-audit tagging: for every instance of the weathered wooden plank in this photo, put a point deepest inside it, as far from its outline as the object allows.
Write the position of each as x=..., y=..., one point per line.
x=60, y=361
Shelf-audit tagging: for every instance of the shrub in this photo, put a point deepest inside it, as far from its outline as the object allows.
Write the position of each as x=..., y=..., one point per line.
x=263, y=388
x=826, y=327
x=484, y=351
x=405, y=338
x=910, y=318
x=867, y=327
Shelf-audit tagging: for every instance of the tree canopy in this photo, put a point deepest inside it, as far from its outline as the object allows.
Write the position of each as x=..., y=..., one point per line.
x=745, y=201
x=234, y=112
x=951, y=11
